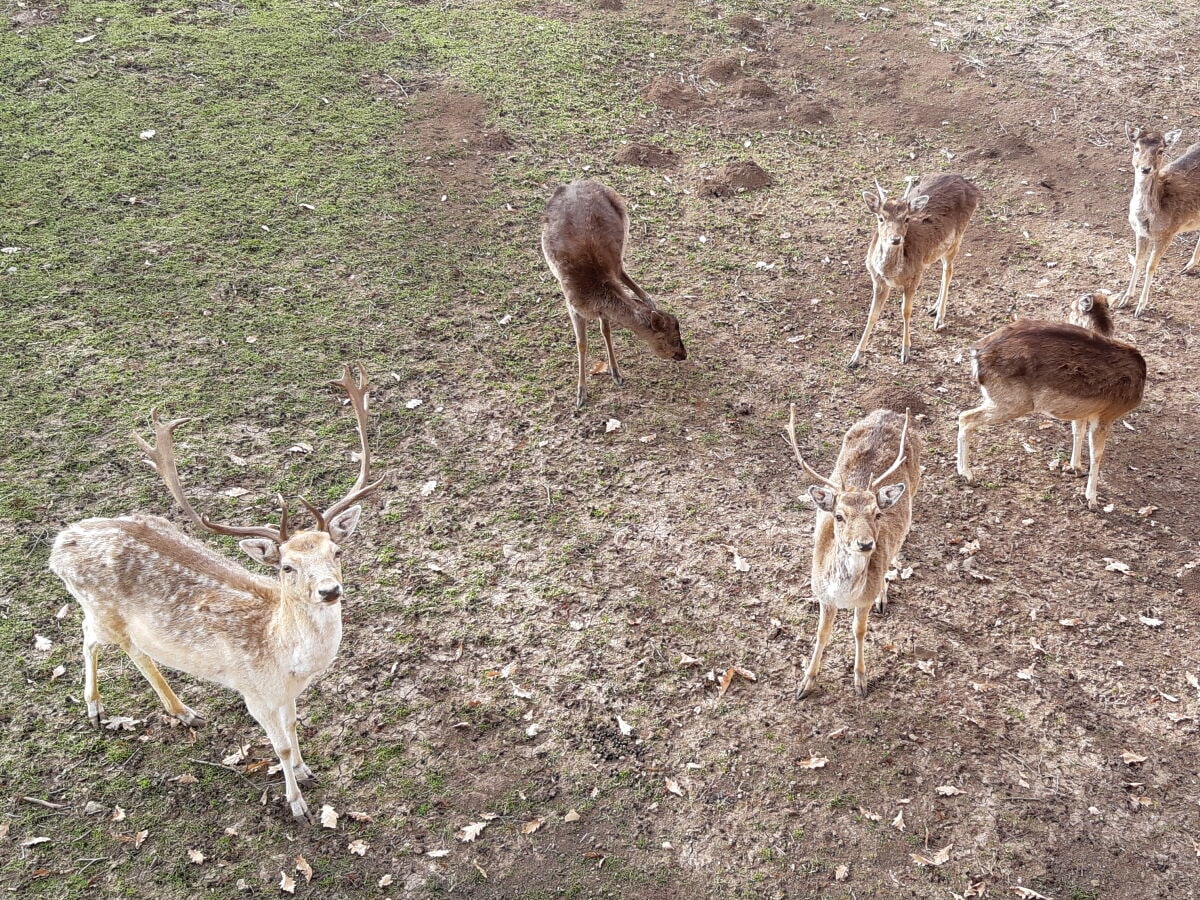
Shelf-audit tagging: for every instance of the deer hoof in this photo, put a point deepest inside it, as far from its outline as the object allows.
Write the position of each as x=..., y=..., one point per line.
x=580, y=399
x=860, y=684
x=190, y=719
x=95, y=714
x=939, y=324
x=304, y=774
x=300, y=811
x=617, y=379
x=966, y=474
x=806, y=688
x=1121, y=301
x=1191, y=269
x=904, y=355
x=880, y=605
x=853, y=364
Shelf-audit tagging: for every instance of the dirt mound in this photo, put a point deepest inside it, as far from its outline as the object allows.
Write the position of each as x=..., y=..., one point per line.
x=36, y=17
x=611, y=5
x=744, y=24
x=672, y=95
x=810, y=113
x=752, y=89
x=496, y=141
x=646, y=155
x=721, y=69
x=735, y=178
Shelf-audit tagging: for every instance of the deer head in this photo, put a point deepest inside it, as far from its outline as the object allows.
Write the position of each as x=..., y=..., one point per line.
x=1149, y=148
x=663, y=336
x=891, y=216
x=856, y=511
x=308, y=561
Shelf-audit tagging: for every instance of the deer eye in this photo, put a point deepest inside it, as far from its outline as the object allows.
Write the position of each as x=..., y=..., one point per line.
x=337, y=554
x=287, y=570
x=839, y=517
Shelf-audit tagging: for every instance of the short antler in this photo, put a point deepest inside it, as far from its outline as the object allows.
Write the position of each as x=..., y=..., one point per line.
x=358, y=393
x=791, y=432
x=162, y=454
x=880, y=190
x=876, y=482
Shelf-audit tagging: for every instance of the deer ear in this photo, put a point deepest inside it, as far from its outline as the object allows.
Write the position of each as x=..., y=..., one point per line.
x=261, y=550
x=888, y=496
x=1172, y=137
x=916, y=204
x=872, y=201
x=1086, y=303
x=823, y=497
x=343, y=524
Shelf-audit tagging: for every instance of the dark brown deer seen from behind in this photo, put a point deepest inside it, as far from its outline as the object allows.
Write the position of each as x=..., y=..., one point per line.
x=1074, y=372
x=584, y=232
x=1165, y=202
x=912, y=233
x=862, y=521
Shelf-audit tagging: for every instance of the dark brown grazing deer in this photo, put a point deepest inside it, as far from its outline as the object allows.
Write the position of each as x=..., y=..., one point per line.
x=911, y=234
x=163, y=596
x=1074, y=372
x=1165, y=202
x=862, y=522
x=584, y=232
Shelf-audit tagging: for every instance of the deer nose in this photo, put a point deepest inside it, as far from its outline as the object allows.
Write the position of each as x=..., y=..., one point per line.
x=1145, y=170
x=329, y=592
x=895, y=240
x=866, y=546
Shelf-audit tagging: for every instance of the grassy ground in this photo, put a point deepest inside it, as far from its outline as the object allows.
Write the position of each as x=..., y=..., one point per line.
x=316, y=190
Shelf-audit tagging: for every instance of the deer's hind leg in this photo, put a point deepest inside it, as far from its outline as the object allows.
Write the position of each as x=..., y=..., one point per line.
x=939, y=321
x=579, y=326
x=170, y=701
x=613, y=369
x=988, y=413
x=1193, y=266
x=91, y=660
x=1098, y=431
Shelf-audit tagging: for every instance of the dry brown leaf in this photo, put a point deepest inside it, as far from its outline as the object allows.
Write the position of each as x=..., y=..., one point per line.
x=673, y=787
x=468, y=833
x=726, y=681
x=329, y=816
x=304, y=869
x=59, y=672
x=185, y=778
x=356, y=816
x=118, y=814
x=932, y=858
x=34, y=841
x=437, y=854
x=3, y=831
x=1131, y=758
x=1028, y=893
x=358, y=847
x=571, y=816
x=385, y=881
x=948, y=790
x=813, y=762
x=140, y=838
x=868, y=815
x=533, y=825
x=196, y=857
x=841, y=873
x=898, y=822
x=287, y=883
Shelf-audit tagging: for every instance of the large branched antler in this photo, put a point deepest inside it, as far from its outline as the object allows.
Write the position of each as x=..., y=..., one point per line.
x=791, y=432
x=358, y=393
x=162, y=454
x=876, y=482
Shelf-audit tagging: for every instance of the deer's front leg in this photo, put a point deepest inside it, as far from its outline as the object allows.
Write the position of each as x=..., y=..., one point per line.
x=879, y=295
x=271, y=718
x=860, y=644
x=303, y=772
x=1139, y=257
x=824, y=630
x=613, y=369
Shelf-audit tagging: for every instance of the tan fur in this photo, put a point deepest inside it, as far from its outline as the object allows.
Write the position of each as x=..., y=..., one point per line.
x=856, y=509
x=909, y=237
x=163, y=596
x=1165, y=202
x=584, y=233
x=1069, y=372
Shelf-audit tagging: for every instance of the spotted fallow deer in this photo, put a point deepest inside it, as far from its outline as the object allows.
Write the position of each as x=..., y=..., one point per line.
x=862, y=521
x=911, y=234
x=163, y=596
x=584, y=233
x=1165, y=202
x=1076, y=372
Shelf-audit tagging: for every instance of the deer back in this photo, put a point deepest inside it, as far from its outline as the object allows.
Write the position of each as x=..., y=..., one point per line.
x=941, y=224
x=870, y=446
x=584, y=230
x=1059, y=368
x=1180, y=199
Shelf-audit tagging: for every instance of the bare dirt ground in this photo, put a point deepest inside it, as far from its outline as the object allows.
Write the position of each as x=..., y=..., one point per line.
x=564, y=578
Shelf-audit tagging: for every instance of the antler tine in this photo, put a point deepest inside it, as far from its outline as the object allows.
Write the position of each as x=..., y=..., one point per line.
x=882, y=192
x=791, y=433
x=876, y=482
x=162, y=454
x=315, y=513
x=358, y=394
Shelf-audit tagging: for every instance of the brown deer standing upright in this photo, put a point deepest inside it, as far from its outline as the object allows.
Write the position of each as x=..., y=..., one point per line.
x=584, y=233
x=162, y=595
x=912, y=233
x=1165, y=202
x=1074, y=372
x=861, y=524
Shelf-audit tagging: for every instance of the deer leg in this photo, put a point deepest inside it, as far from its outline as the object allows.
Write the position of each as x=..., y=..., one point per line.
x=1156, y=252
x=881, y=600
x=1078, y=428
x=579, y=324
x=860, y=644
x=91, y=687
x=1193, y=266
x=271, y=718
x=1098, y=432
x=879, y=295
x=824, y=630
x=613, y=369
x=1139, y=258
x=910, y=293
x=628, y=281
x=944, y=292
x=171, y=703
x=303, y=772
x=986, y=414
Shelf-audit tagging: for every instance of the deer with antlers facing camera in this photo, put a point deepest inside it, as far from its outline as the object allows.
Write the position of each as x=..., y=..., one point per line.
x=862, y=522
x=163, y=596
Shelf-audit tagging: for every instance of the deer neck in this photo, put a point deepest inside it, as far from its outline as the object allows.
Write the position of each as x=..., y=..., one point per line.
x=888, y=259
x=842, y=574
x=306, y=633
x=1146, y=201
